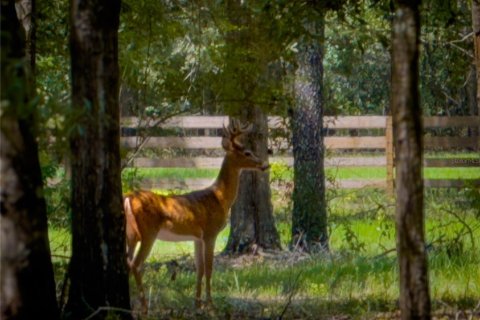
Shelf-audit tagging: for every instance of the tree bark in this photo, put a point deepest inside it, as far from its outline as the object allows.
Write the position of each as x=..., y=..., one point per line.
x=471, y=98
x=98, y=267
x=27, y=281
x=476, y=42
x=252, y=222
x=407, y=122
x=309, y=216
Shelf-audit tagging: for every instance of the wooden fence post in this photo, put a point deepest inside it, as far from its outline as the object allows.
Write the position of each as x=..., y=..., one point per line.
x=389, y=152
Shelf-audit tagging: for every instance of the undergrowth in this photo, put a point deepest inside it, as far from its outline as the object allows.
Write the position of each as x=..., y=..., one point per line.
x=356, y=279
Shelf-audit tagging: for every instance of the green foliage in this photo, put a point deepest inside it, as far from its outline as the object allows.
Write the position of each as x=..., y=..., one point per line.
x=181, y=57
x=454, y=231
x=55, y=121
x=53, y=65
x=472, y=197
x=357, y=62
x=56, y=190
x=281, y=181
x=280, y=172
x=357, y=59
x=131, y=179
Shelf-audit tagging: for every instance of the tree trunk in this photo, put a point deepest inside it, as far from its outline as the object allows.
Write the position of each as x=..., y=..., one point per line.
x=476, y=42
x=252, y=222
x=98, y=267
x=471, y=98
x=27, y=281
x=407, y=122
x=309, y=216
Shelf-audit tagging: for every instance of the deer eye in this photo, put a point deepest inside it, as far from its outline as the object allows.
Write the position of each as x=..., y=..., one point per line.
x=248, y=153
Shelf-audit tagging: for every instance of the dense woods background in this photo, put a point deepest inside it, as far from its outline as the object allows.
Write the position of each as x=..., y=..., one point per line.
x=70, y=69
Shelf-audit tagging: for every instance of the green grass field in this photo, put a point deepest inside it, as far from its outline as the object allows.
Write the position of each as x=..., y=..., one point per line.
x=341, y=173
x=357, y=279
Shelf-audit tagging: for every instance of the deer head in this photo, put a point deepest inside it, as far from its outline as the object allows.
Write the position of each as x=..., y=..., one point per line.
x=231, y=143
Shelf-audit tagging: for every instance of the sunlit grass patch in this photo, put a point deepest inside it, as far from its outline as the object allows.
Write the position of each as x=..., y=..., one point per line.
x=174, y=173
x=336, y=173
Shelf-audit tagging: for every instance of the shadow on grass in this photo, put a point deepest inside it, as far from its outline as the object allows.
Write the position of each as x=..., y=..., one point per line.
x=300, y=308
x=243, y=308
x=286, y=285
x=249, y=287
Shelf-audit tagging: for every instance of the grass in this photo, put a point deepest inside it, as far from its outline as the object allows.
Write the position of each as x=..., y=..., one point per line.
x=175, y=173
x=323, y=285
x=358, y=285
x=357, y=279
x=340, y=173
x=452, y=155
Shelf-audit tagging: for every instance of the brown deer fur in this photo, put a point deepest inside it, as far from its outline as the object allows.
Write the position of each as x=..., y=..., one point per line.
x=198, y=216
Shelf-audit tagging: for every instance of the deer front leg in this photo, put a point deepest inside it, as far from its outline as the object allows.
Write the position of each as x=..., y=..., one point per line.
x=209, y=248
x=200, y=266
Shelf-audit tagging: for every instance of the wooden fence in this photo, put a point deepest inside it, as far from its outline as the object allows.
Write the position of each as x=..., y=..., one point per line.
x=381, y=142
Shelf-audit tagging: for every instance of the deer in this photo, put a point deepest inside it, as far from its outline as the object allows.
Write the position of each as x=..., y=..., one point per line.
x=198, y=216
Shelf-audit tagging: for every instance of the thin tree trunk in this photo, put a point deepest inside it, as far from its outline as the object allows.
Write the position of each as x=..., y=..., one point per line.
x=471, y=98
x=309, y=217
x=98, y=267
x=27, y=281
x=407, y=122
x=476, y=42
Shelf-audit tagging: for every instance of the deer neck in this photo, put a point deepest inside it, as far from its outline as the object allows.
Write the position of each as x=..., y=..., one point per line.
x=226, y=185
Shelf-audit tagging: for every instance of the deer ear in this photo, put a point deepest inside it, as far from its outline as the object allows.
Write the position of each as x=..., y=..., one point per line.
x=226, y=132
x=227, y=144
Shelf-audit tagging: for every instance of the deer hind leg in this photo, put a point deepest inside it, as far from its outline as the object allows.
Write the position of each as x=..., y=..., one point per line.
x=200, y=266
x=136, y=268
x=131, y=245
x=209, y=248
x=132, y=241
x=132, y=233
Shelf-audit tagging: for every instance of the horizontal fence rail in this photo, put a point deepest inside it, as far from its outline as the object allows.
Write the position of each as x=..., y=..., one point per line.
x=217, y=122
x=194, y=184
x=341, y=122
x=216, y=162
x=215, y=142
x=208, y=140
